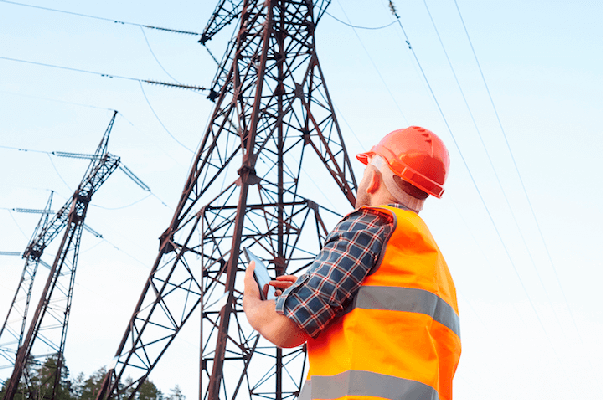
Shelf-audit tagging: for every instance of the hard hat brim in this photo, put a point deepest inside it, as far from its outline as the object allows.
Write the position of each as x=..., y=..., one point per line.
x=406, y=173
x=364, y=157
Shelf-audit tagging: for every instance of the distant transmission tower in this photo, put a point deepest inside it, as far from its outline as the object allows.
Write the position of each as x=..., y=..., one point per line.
x=272, y=144
x=13, y=328
x=52, y=313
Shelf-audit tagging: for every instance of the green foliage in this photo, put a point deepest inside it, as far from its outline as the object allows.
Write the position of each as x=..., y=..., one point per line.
x=45, y=379
x=148, y=391
x=176, y=394
x=89, y=388
x=41, y=381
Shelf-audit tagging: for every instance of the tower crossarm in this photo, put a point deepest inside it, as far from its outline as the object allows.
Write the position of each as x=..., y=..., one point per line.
x=224, y=14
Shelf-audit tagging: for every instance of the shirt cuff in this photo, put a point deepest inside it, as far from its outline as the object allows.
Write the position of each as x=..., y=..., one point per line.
x=291, y=304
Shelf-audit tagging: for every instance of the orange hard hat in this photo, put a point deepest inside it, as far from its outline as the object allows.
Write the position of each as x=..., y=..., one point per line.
x=416, y=155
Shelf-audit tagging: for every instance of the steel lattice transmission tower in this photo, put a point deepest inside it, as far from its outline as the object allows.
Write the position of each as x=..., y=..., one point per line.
x=12, y=331
x=50, y=321
x=272, y=139
x=13, y=328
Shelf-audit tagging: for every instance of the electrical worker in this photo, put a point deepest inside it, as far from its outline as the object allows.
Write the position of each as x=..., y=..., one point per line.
x=377, y=307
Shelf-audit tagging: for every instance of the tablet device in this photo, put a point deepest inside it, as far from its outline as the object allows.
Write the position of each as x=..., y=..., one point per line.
x=260, y=273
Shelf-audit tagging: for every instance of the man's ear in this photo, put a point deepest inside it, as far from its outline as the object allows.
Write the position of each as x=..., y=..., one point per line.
x=375, y=182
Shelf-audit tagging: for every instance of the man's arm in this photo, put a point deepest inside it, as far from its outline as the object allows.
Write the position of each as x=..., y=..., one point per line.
x=314, y=299
x=351, y=251
x=262, y=316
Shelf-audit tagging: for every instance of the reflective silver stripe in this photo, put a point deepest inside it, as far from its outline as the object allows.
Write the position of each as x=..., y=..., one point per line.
x=306, y=392
x=409, y=300
x=366, y=383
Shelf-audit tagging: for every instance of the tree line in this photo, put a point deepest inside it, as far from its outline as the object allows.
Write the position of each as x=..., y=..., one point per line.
x=38, y=382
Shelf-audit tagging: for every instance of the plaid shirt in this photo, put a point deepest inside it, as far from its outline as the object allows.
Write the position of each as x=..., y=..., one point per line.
x=351, y=252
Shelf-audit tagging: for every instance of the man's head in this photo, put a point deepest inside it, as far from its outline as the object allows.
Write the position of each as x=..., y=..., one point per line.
x=405, y=167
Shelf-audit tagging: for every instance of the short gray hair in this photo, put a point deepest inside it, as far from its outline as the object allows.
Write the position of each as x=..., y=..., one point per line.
x=393, y=188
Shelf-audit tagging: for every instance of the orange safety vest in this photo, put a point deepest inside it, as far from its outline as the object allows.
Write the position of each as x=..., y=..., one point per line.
x=401, y=338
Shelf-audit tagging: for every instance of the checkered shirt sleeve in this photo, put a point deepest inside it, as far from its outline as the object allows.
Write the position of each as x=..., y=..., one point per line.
x=350, y=253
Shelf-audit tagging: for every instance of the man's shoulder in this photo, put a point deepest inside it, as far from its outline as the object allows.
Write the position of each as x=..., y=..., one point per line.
x=366, y=218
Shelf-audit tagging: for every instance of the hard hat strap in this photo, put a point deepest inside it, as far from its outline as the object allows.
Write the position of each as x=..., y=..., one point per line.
x=400, y=195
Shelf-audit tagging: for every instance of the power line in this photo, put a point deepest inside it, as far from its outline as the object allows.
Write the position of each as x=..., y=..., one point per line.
x=511, y=152
x=375, y=67
x=548, y=253
x=160, y=147
x=159, y=28
x=174, y=85
x=357, y=26
x=395, y=13
x=161, y=123
x=57, y=101
x=122, y=207
x=57, y=171
x=504, y=192
x=362, y=145
x=16, y=223
x=86, y=227
x=155, y=57
x=121, y=166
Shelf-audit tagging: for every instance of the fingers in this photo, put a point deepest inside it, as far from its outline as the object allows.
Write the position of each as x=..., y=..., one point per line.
x=283, y=281
x=250, y=285
x=280, y=285
x=249, y=275
x=286, y=278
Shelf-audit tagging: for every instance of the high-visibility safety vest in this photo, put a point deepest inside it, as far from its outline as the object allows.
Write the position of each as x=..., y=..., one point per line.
x=400, y=340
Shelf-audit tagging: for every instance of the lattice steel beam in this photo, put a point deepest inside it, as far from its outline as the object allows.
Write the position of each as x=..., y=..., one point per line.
x=272, y=135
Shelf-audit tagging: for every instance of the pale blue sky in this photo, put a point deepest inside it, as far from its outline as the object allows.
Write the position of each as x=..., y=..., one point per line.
x=531, y=318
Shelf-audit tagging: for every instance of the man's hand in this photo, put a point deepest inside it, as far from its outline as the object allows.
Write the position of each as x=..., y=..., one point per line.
x=263, y=317
x=280, y=283
x=251, y=291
